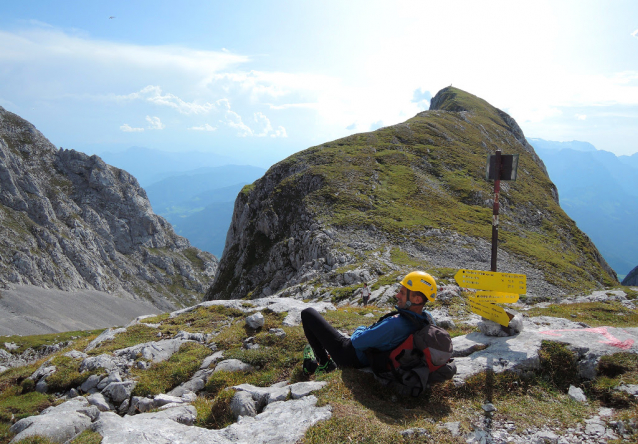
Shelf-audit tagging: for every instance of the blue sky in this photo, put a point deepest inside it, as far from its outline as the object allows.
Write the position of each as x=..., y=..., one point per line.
x=258, y=81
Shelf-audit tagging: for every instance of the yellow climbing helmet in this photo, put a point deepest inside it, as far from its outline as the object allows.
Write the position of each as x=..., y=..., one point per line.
x=420, y=281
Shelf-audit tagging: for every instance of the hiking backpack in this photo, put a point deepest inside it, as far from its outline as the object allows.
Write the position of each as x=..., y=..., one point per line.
x=425, y=357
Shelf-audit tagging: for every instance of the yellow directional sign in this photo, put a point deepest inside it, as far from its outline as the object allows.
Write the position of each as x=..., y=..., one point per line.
x=491, y=280
x=495, y=296
x=490, y=311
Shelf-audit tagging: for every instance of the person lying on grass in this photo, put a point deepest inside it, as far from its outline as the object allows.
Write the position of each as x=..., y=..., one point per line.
x=328, y=349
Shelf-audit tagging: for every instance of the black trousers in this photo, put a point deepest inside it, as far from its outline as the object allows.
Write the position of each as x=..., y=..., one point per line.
x=324, y=339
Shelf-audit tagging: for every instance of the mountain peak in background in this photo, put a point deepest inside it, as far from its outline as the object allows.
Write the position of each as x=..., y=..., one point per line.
x=600, y=192
x=413, y=195
x=70, y=221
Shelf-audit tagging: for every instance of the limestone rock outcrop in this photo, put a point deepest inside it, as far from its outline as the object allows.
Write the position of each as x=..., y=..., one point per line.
x=406, y=196
x=631, y=278
x=70, y=221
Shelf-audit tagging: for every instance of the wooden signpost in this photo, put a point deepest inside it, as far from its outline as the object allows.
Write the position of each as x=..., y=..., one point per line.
x=499, y=167
x=494, y=287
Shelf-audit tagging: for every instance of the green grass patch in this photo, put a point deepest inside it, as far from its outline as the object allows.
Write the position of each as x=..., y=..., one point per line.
x=402, y=258
x=136, y=334
x=67, y=375
x=595, y=314
x=163, y=376
x=13, y=403
x=214, y=413
x=87, y=437
x=612, y=371
x=38, y=342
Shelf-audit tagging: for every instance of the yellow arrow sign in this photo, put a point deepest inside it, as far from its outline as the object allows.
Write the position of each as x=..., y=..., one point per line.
x=491, y=280
x=495, y=296
x=490, y=311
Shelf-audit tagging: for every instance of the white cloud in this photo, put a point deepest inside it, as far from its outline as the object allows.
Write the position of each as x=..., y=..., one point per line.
x=234, y=120
x=154, y=123
x=127, y=129
x=581, y=116
x=635, y=33
x=153, y=94
x=280, y=132
x=262, y=127
x=204, y=127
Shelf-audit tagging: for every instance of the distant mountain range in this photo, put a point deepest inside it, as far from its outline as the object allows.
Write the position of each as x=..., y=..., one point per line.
x=150, y=165
x=599, y=190
x=199, y=204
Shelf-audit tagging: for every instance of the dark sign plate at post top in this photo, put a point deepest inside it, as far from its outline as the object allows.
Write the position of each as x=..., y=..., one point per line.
x=509, y=166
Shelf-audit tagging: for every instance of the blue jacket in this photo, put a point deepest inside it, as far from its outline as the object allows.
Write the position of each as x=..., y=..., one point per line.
x=387, y=334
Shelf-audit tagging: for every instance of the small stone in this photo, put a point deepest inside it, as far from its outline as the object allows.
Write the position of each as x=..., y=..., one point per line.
x=91, y=382
x=489, y=407
x=453, y=427
x=279, y=332
x=576, y=394
x=255, y=321
x=73, y=393
x=232, y=365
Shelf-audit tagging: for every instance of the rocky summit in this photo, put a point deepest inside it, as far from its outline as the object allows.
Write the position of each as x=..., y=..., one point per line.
x=414, y=195
x=69, y=221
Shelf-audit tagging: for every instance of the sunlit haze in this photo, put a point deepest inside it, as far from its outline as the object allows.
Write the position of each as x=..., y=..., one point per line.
x=258, y=81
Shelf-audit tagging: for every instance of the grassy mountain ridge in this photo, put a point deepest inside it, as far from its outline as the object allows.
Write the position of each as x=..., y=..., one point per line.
x=415, y=186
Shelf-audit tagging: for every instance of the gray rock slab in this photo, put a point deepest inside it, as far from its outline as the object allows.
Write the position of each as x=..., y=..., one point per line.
x=119, y=391
x=193, y=385
x=301, y=389
x=184, y=335
x=99, y=401
x=107, y=335
x=278, y=305
x=265, y=428
x=59, y=424
x=243, y=404
x=632, y=389
x=104, y=361
x=232, y=365
x=30, y=310
x=477, y=352
x=264, y=395
x=74, y=354
x=157, y=351
x=212, y=359
x=163, y=399
x=91, y=382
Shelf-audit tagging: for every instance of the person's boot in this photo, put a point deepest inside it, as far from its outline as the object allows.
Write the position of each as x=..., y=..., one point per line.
x=310, y=364
x=329, y=366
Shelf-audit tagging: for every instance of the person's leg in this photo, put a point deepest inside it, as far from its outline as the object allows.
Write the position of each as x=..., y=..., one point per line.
x=324, y=339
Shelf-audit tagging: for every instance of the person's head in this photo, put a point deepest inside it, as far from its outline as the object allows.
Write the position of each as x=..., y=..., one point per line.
x=417, y=288
x=365, y=285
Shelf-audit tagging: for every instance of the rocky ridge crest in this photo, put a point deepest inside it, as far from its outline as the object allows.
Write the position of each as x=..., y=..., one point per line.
x=70, y=221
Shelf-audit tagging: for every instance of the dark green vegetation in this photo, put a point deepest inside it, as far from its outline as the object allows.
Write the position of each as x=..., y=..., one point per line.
x=594, y=314
x=414, y=184
x=363, y=410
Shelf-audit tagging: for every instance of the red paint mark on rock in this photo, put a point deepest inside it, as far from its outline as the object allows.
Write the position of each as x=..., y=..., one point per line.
x=611, y=340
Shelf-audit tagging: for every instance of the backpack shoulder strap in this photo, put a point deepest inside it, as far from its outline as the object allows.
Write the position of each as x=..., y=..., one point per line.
x=385, y=316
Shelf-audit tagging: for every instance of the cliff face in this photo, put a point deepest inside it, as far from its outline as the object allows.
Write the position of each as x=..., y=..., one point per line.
x=372, y=205
x=71, y=221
